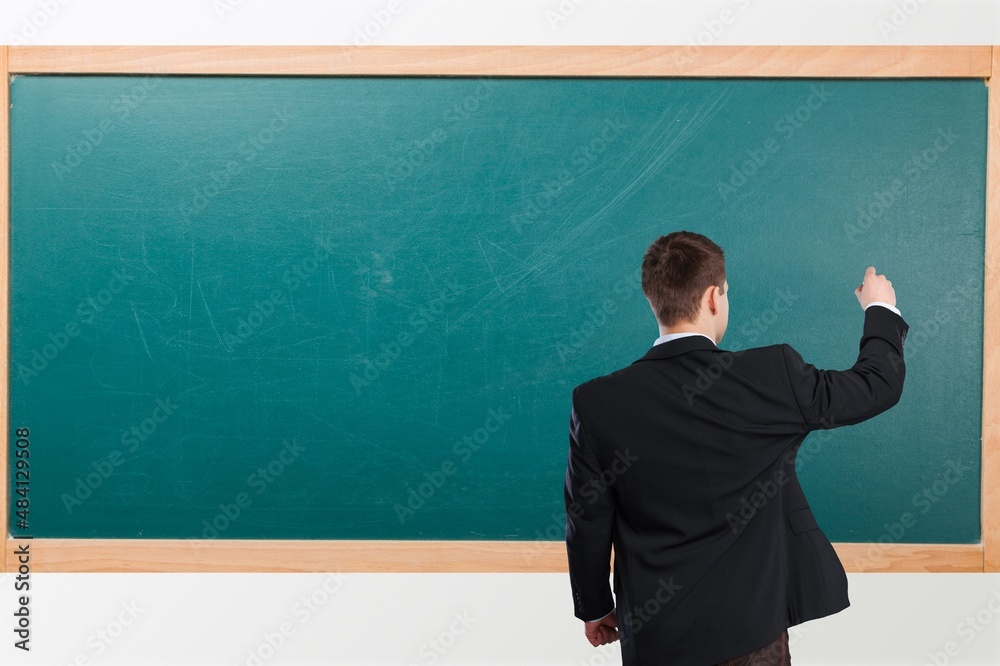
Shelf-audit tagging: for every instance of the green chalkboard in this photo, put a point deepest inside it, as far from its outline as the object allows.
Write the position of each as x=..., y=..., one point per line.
x=294, y=307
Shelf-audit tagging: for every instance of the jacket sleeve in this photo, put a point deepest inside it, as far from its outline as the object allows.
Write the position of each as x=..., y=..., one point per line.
x=833, y=398
x=590, y=510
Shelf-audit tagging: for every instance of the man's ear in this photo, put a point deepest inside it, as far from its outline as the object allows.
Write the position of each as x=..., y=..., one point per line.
x=713, y=300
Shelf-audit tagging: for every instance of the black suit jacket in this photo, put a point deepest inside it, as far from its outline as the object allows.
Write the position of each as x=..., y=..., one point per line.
x=685, y=462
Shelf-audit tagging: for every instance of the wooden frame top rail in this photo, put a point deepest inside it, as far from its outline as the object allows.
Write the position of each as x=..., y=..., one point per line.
x=522, y=61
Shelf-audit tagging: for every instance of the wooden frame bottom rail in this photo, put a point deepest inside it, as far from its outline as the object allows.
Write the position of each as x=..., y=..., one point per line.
x=231, y=556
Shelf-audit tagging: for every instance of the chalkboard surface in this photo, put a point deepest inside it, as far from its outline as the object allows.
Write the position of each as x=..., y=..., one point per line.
x=292, y=307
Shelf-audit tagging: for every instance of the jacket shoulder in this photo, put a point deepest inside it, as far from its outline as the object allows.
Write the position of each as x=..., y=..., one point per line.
x=593, y=388
x=753, y=361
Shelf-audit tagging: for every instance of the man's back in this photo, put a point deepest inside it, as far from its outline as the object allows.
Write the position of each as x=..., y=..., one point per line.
x=686, y=458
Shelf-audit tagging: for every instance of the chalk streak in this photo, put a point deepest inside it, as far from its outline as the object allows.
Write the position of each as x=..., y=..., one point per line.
x=210, y=318
x=141, y=334
x=486, y=259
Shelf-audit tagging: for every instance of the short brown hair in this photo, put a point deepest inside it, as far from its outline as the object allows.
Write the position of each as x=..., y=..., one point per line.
x=676, y=271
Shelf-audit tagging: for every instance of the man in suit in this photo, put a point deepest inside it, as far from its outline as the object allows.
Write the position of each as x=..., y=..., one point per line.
x=684, y=461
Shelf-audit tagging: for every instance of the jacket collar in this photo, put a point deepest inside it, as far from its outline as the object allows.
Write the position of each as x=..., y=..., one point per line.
x=678, y=346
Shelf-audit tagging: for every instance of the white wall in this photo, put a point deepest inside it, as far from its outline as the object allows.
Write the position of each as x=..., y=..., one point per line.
x=482, y=619
x=450, y=619
x=504, y=21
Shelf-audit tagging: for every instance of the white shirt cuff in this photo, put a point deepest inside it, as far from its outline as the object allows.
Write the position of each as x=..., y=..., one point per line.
x=884, y=305
x=601, y=618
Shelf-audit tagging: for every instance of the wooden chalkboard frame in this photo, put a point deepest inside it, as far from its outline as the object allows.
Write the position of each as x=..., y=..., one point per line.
x=170, y=555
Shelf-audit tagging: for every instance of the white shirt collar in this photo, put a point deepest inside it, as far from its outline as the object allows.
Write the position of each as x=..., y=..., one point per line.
x=673, y=336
